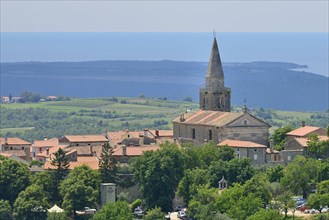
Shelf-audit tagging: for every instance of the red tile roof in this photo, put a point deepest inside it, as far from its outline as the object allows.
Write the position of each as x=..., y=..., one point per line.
x=14, y=141
x=86, y=138
x=92, y=162
x=204, y=117
x=303, y=131
x=45, y=143
x=303, y=141
x=134, y=150
x=241, y=144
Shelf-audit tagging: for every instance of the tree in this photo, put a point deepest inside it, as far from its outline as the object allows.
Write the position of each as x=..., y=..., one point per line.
x=259, y=187
x=279, y=136
x=264, y=214
x=155, y=213
x=286, y=202
x=188, y=184
x=158, y=174
x=318, y=201
x=299, y=174
x=14, y=178
x=56, y=216
x=226, y=153
x=33, y=197
x=203, y=203
x=62, y=165
x=80, y=188
x=47, y=181
x=5, y=210
x=323, y=187
x=107, y=165
x=275, y=173
x=316, y=147
x=114, y=211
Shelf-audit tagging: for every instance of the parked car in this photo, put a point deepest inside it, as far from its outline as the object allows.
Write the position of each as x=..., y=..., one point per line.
x=178, y=208
x=311, y=211
x=139, y=211
x=167, y=216
x=182, y=215
x=89, y=210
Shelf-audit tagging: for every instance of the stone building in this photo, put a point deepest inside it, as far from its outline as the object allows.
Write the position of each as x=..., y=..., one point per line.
x=214, y=121
x=16, y=146
x=296, y=141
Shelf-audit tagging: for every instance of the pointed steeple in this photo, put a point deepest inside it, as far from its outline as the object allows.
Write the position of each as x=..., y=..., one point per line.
x=215, y=64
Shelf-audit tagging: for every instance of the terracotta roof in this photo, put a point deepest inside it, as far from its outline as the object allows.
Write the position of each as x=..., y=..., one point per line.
x=117, y=136
x=163, y=133
x=6, y=154
x=303, y=131
x=45, y=143
x=17, y=153
x=14, y=141
x=205, y=117
x=241, y=144
x=135, y=150
x=303, y=141
x=92, y=162
x=86, y=138
x=52, y=150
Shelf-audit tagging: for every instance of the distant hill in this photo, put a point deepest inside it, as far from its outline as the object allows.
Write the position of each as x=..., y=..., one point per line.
x=275, y=85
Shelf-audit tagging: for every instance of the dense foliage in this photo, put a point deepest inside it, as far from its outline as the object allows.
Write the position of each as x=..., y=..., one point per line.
x=158, y=174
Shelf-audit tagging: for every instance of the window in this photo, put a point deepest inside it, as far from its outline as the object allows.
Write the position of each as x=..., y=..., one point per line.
x=255, y=156
x=245, y=122
x=255, y=150
x=210, y=135
x=22, y=148
x=289, y=158
x=11, y=148
x=193, y=133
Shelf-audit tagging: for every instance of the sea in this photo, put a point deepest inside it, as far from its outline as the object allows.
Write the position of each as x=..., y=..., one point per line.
x=310, y=49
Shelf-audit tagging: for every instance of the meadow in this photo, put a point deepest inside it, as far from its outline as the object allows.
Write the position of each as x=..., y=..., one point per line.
x=33, y=121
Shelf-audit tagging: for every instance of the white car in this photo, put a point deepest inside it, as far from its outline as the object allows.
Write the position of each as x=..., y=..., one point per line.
x=311, y=211
x=182, y=215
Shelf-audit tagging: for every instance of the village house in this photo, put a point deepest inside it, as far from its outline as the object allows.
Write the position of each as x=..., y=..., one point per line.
x=83, y=140
x=16, y=146
x=296, y=141
x=135, y=138
x=42, y=146
x=124, y=154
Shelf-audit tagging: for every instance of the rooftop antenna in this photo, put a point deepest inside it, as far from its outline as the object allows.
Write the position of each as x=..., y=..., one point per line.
x=214, y=32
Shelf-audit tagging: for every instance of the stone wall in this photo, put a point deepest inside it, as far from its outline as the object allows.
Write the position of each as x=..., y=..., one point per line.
x=258, y=135
x=257, y=155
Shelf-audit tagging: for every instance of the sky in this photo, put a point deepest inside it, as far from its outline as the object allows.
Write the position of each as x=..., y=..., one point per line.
x=21, y=18
x=164, y=16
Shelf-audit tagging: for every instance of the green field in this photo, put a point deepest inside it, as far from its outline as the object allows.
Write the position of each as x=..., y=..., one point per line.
x=88, y=116
x=95, y=115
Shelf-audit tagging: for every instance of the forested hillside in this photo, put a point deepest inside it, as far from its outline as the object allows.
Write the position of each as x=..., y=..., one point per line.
x=32, y=121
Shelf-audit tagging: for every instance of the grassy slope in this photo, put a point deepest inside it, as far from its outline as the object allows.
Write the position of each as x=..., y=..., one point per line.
x=137, y=111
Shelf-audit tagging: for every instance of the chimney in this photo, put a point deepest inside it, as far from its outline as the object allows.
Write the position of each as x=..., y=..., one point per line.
x=6, y=141
x=244, y=109
x=145, y=132
x=303, y=123
x=141, y=140
x=157, y=133
x=124, y=150
x=45, y=138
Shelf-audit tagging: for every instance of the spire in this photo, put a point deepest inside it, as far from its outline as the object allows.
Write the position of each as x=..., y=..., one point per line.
x=215, y=65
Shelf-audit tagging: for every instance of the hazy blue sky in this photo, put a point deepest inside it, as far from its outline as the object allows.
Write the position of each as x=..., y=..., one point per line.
x=164, y=16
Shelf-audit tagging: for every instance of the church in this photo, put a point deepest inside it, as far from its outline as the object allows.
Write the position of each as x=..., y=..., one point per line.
x=215, y=122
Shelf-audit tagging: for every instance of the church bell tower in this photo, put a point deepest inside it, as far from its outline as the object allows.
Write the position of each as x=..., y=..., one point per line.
x=214, y=96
